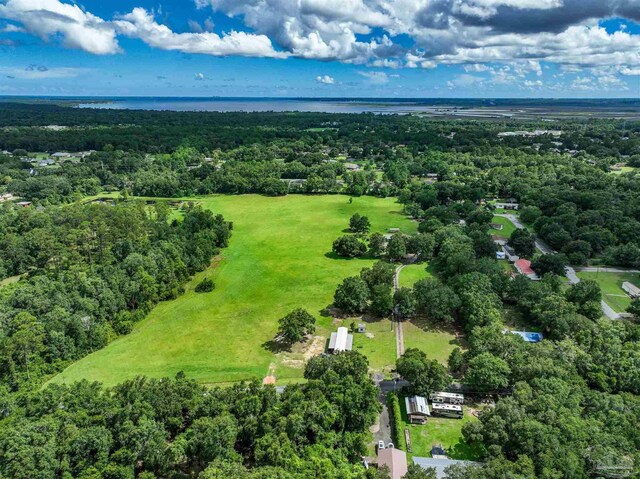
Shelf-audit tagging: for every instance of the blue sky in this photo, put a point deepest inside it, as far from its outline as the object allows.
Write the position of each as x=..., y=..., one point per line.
x=322, y=48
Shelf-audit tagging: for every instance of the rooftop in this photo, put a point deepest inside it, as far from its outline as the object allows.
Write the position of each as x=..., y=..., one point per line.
x=439, y=464
x=417, y=405
x=395, y=460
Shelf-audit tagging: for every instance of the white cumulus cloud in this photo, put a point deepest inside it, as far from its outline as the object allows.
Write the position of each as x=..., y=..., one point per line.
x=325, y=79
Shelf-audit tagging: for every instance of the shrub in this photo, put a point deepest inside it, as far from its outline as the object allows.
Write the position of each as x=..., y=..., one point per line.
x=205, y=286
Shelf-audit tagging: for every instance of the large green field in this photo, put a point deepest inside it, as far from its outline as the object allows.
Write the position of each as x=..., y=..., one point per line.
x=278, y=259
x=611, y=286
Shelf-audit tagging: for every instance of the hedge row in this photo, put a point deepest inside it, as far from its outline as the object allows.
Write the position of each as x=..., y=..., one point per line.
x=393, y=405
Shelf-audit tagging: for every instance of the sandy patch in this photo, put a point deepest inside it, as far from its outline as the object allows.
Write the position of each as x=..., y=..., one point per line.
x=293, y=363
x=315, y=347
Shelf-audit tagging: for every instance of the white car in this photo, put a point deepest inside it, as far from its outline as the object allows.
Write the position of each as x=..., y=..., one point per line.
x=390, y=445
x=380, y=445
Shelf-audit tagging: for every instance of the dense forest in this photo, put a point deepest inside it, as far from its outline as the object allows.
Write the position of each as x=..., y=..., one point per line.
x=90, y=270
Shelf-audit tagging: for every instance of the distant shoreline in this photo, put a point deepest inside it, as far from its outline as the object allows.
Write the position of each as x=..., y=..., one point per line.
x=469, y=108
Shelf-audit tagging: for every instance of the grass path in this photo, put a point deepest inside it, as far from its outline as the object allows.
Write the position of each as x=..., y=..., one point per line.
x=277, y=260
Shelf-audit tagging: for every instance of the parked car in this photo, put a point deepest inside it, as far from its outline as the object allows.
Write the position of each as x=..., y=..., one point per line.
x=390, y=445
x=380, y=445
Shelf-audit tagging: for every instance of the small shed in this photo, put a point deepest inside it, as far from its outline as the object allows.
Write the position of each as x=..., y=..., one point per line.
x=497, y=226
x=417, y=409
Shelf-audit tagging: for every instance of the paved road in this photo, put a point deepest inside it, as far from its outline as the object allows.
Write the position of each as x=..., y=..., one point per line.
x=595, y=269
x=382, y=430
x=543, y=247
x=570, y=272
x=399, y=331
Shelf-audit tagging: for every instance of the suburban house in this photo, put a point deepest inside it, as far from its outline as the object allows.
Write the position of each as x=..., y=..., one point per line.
x=341, y=341
x=528, y=336
x=417, y=409
x=507, y=206
x=499, y=240
x=524, y=267
x=445, y=397
x=352, y=166
x=440, y=464
x=395, y=460
x=631, y=289
x=61, y=155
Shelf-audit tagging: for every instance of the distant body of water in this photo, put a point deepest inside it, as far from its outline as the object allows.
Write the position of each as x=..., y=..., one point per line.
x=261, y=105
x=450, y=107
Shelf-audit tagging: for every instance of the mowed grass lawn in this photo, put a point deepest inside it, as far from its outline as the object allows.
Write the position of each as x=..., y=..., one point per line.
x=439, y=431
x=277, y=260
x=436, y=341
x=412, y=273
x=507, y=227
x=611, y=286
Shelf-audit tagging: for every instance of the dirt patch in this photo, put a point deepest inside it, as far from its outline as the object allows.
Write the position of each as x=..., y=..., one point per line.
x=270, y=378
x=293, y=363
x=315, y=347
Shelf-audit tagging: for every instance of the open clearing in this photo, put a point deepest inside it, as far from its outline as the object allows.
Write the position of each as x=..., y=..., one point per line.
x=507, y=227
x=412, y=273
x=611, y=286
x=278, y=259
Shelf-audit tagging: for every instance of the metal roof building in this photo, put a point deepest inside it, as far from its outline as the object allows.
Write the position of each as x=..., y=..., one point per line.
x=341, y=341
x=439, y=464
x=417, y=409
x=631, y=289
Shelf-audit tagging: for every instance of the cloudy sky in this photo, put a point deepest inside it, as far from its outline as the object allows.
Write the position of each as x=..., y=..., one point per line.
x=375, y=48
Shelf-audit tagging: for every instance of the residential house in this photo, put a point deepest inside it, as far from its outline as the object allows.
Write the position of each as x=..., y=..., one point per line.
x=440, y=464
x=524, y=267
x=395, y=460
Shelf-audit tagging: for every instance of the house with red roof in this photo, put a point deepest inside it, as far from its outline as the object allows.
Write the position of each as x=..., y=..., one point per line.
x=524, y=267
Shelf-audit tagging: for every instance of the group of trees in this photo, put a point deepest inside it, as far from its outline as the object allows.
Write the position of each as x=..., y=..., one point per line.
x=89, y=273
x=148, y=428
x=394, y=247
x=572, y=202
x=571, y=393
